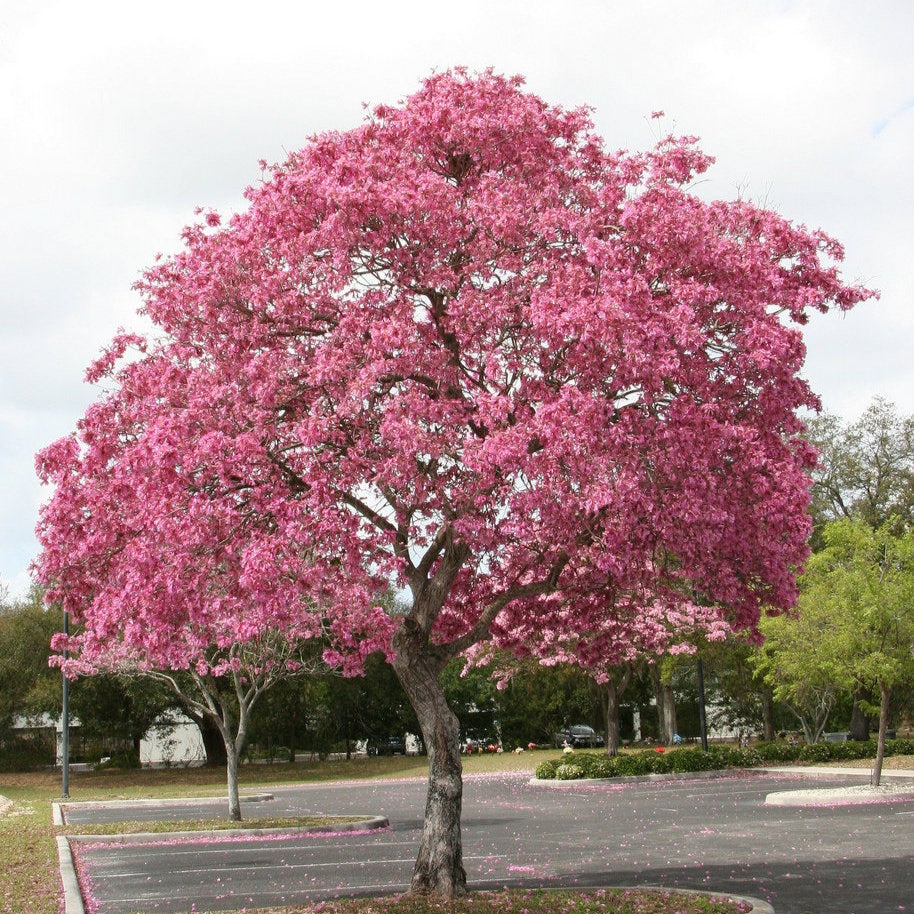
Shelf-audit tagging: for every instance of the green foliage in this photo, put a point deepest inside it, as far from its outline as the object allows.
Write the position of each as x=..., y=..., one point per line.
x=27, y=753
x=569, y=772
x=899, y=747
x=636, y=764
x=28, y=687
x=685, y=759
x=865, y=469
x=326, y=712
x=117, y=711
x=817, y=752
x=776, y=752
x=471, y=695
x=540, y=700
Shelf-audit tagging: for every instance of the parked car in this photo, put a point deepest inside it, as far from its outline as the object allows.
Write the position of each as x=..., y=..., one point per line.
x=392, y=745
x=578, y=736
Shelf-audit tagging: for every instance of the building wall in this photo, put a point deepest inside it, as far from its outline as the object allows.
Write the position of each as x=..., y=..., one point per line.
x=174, y=741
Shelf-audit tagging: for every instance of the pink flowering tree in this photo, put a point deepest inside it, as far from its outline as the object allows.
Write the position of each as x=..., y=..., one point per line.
x=144, y=553
x=636, y=632
x=465, y=350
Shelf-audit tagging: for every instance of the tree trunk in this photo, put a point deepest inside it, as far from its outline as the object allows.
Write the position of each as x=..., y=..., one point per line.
x=669, y=700
x=666, y=707
x=886, y=694
x=231, y=776
x=611, y=717
x=613, y=691
x=768, y=733
x=439, y=863
x=860, y=721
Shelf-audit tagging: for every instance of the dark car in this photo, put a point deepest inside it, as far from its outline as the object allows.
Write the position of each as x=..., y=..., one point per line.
x=578, y=736
x=393, y=745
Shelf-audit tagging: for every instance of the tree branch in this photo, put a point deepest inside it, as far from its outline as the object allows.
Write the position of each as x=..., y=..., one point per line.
x=480, y=631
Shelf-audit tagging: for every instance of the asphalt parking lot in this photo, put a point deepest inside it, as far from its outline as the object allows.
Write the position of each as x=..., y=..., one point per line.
x=709, y=834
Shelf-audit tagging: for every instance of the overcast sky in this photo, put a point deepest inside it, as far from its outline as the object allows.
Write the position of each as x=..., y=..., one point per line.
x=117, y=119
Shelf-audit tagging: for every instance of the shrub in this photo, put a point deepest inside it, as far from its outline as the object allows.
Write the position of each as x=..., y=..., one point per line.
x=545, y=771
x=684, y=759
x=569, y=772
x=640, y=763
x=817, y=752
x=899, y=747
x=593, y=764
x=777, y=752
x=853, y=750
x=23, y=755
x=604, y=767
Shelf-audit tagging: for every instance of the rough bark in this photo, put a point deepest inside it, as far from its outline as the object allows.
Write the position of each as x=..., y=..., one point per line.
x=439, y=863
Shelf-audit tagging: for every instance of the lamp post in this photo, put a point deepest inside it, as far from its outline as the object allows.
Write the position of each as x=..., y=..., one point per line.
x=65, y=722
x=702, y=719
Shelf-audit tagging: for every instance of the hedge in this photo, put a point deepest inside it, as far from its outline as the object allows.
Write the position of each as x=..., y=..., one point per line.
x=577, y=765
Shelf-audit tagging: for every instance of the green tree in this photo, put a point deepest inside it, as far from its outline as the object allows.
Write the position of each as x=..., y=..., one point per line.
x=113, y=712
x=539, y=700
x=799, y=661
x=472, y=695
x=865, y=469
x=28, y=687
x=736, y=695
x=864, y=581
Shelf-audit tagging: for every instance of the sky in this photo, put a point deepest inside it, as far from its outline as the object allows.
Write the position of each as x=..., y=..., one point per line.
x=117, y=120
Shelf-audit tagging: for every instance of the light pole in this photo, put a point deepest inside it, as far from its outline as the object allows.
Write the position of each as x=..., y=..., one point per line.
x=65, y=722
x=702, y=719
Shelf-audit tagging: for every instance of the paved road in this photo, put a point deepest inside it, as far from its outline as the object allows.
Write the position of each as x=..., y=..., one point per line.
x=710, y=834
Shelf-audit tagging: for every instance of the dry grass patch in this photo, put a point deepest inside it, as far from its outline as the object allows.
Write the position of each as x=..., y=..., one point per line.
x=530, y=901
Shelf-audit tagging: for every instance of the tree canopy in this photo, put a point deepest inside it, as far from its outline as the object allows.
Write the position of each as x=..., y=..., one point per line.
x=865, y=468
x=466, y=350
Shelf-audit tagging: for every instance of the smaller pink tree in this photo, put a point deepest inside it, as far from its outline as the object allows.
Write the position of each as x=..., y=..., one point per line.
x=150, y=566
x=636, y=633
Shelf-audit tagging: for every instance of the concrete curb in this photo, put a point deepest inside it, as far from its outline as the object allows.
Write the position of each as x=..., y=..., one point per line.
x=58, y=816
x=841, y=796
x=758, y=906
x=73, y=901
x=367, y=824
x=72, y=897
x=819, y=771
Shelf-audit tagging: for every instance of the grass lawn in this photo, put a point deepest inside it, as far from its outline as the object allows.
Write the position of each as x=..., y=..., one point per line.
x=28, y=854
